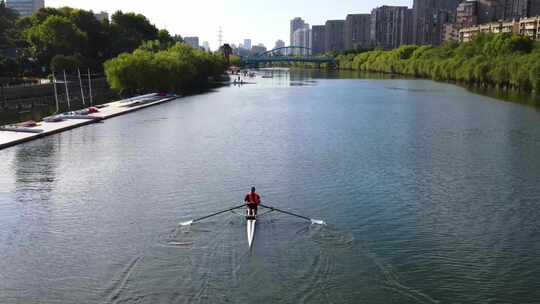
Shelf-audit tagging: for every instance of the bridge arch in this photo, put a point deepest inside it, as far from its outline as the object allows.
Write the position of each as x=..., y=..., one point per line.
x=269, y=56
x=292, y=47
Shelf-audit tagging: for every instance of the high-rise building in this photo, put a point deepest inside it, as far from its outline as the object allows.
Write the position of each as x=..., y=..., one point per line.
x=491, y=10
x=247, y=44
x=534, y=8
x=466, y=17
x=334, y=36
x=206, y=46
x=357, y=31
x=450, y=32
x=302, y=38
x=429, y=16
x=467, y=14
x=25, y=7
x=517, y=9
x=318, y=36
x=296, y=24
x=102, y=16
x=500, y=10
x=258, y=49
x=280, y=44
x=391, y=26
x=193, y=41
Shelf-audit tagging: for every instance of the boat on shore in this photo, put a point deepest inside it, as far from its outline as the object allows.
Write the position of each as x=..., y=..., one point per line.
x=144, y=99
x=11, y=128
x=29, y=126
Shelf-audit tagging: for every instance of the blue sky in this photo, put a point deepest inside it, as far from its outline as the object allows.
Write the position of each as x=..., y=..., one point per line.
x=262, y=21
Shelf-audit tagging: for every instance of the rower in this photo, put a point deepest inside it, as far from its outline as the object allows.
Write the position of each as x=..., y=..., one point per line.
x=252, y=201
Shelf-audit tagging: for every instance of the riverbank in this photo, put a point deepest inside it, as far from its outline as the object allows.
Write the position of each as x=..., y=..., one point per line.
x=501, y=61
x=20, y=103
x=13, y=135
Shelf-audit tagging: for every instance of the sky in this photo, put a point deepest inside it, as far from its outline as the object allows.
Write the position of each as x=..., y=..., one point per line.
x=262, y=21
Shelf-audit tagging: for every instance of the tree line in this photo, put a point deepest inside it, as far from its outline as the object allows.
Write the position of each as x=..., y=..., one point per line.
x=60, y=38
x=507, y=61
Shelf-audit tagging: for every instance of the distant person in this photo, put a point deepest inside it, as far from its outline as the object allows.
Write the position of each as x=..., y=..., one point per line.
x=252, y=200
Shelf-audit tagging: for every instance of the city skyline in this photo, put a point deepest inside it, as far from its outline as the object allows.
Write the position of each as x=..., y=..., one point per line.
x=261, y=22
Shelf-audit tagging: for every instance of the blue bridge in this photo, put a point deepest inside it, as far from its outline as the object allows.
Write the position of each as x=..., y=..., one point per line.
x=287, y=54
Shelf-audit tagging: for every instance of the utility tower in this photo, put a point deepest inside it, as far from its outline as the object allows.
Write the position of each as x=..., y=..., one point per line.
x=220, y=37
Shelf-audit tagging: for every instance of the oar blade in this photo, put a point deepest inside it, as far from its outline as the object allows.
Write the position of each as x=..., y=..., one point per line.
x=318, y=222
x=188, y=223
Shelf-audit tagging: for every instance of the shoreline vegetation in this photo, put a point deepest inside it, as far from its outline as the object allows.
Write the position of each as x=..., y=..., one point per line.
x=177, y=69
x=500, y=61
x=128, y=54
x=133, y=53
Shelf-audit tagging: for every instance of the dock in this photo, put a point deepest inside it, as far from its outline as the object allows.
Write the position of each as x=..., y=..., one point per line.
x=106, y=111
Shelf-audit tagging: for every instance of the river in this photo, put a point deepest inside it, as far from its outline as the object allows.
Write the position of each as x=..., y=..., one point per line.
x=430, y=194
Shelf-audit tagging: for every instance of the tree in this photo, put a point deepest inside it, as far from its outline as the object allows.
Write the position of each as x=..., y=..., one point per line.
x=535, y=77
x=8, y=67
x=96, y=32
x=226, y=49
x=165, y=38
x=68, y=63
x=129, y=31
x=177, y=69
x=55, y=36
x=8, y=18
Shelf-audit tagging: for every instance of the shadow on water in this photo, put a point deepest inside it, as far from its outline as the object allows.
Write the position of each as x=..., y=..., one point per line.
x=35, y=171
x=305, y=77
x=528, y=99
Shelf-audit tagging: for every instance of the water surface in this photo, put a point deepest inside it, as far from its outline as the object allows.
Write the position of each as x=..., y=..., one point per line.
x=431, y=194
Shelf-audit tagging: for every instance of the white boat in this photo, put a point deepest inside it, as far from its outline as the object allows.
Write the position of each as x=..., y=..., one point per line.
x=250, y=224
x=12, y=128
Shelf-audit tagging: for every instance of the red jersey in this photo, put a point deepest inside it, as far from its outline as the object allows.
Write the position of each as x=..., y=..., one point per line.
x=253, y=198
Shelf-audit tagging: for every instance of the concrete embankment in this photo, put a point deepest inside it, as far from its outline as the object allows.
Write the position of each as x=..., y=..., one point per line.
x=14, y=137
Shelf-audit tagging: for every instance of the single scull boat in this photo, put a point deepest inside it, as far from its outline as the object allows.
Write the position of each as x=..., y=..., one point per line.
x=251, y=220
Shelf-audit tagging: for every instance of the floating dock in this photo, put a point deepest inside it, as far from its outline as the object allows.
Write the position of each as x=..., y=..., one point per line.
x=109, y=110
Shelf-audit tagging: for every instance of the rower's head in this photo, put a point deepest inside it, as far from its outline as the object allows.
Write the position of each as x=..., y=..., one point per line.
x=252, y=189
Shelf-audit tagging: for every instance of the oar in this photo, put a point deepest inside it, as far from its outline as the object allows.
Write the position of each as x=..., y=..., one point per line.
x=313, y=221
x=188, y=223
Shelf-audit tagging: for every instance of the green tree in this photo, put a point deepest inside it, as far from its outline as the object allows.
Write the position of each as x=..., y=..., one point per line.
x=55, y=36
x=128, y=31
x=534, y=76
x=505, y=60
x=165, y=37
x=60, y=63
x=177, y=68
x=8, y=18
x=8, y=67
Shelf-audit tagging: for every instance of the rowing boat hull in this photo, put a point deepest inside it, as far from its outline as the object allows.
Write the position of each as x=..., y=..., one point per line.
x=250, y=231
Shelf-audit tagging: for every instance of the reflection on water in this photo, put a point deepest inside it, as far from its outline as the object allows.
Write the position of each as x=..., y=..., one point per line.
x=529, y=99
x=35, y=169
x=430, y=193
x=302, y=77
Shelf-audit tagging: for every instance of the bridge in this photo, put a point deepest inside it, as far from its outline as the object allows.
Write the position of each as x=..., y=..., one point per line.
x=287, y=54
